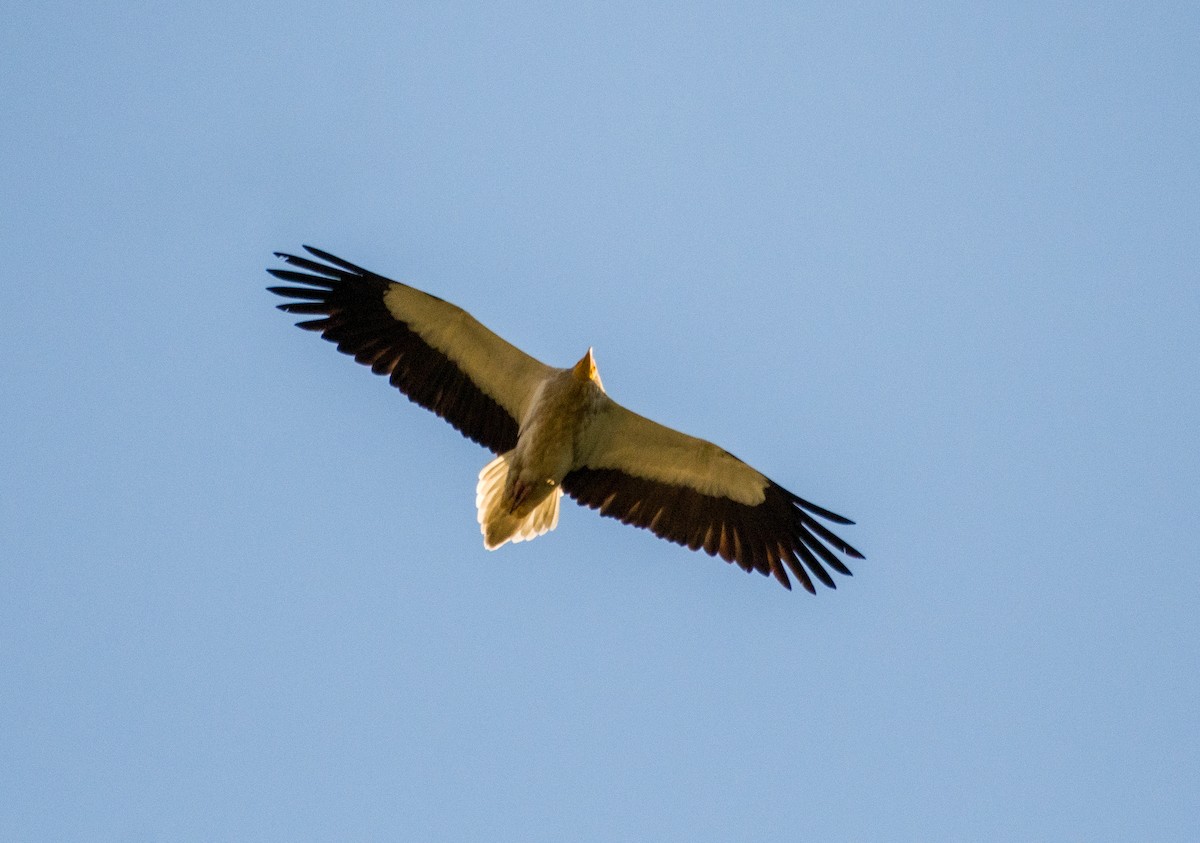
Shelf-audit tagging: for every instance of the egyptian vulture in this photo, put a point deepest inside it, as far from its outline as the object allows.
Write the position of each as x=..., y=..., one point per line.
x=556, y=430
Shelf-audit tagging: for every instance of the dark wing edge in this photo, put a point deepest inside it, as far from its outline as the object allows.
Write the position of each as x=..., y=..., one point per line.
x=348, y=303
x=776, y=533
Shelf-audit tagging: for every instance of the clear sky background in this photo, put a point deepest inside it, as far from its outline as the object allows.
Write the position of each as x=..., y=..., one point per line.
x=932, y=265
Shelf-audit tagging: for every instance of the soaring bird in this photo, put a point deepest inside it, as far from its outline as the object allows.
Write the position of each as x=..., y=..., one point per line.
x=556, y=430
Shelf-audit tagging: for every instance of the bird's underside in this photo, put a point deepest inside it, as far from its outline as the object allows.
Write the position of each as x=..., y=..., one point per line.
x=556, y=430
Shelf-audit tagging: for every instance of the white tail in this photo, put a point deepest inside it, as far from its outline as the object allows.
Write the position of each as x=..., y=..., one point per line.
x=496, y=523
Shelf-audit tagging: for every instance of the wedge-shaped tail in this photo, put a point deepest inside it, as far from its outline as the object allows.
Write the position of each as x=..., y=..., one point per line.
x=497, y=524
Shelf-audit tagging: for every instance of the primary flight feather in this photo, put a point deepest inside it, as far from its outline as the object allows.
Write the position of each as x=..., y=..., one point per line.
x=556, y=430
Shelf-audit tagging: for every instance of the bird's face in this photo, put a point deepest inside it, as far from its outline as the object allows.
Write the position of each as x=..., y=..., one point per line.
x=585, y=370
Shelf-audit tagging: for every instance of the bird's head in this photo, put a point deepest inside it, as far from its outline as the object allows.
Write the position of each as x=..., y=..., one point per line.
x=585, y=370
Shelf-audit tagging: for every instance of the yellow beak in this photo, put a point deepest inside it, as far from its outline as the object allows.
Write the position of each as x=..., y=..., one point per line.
x=585, y=369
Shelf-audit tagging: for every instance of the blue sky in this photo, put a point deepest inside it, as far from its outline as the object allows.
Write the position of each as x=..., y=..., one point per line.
x=931, y=265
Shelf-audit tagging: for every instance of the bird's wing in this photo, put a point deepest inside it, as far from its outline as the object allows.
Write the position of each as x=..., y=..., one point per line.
x=693, y=493
x=433, y=351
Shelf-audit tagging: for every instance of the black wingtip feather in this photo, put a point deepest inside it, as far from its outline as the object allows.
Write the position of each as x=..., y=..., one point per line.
x=304, y=278
x=300, y=293
x=782, y=577
x=819, y=511
x=335, y=260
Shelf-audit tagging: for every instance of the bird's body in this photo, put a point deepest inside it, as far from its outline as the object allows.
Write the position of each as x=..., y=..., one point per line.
x=518, y=503
x=556, y=430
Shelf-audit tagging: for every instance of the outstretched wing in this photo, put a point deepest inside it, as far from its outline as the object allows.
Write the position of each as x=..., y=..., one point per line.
x=433, y=351
x=693, y=493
